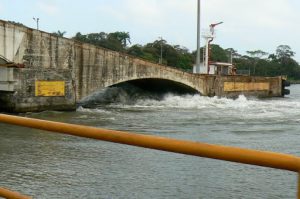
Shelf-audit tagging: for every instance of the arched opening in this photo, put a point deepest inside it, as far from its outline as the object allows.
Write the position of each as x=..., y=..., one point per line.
x=160, y=86
x=134, y=90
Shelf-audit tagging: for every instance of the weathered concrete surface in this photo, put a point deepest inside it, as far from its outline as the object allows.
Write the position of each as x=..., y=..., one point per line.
x=100, y=68
x=249, y=86
x=85, y=68
x=23, y=99
x=7, y=80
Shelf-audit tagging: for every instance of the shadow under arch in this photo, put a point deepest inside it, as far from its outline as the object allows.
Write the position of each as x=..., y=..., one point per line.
x=129, y=92
x=160, y=86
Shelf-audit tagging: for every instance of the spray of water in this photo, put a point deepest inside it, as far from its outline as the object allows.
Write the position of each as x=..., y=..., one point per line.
x=133, y=98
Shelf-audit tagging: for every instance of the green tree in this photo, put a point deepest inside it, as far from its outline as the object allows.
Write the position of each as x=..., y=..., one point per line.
x=59, y=33
x=286, y=64
x=80, y=37
x=284, y=53
x=17, y=23
x=136, y=50
x=232, y=54
x=154, y=49
x=218, y=54
x=185, y=59
x=256, y=55
x=110, y=41
x=122, y=37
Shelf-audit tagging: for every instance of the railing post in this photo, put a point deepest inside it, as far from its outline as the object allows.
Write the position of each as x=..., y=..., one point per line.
x=298, y=185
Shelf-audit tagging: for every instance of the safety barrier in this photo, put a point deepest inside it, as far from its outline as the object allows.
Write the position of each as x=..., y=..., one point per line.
x=12, y=194
x=233, y=154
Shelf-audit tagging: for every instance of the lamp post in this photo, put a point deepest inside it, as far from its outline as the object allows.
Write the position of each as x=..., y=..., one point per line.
x=37, y=22
x=198, y=39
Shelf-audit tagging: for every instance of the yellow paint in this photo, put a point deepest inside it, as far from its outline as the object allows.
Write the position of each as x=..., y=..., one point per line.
x=246, y=86
x=49, y=88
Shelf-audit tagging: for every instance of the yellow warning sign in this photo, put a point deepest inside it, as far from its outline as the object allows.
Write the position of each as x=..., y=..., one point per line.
x=49, y=88
x=246, y=86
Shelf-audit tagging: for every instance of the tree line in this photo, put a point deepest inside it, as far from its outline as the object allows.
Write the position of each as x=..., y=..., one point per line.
x=256, y=62
x=172, y=55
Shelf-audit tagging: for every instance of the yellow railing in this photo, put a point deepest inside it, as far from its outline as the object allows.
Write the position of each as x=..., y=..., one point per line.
x=12, y=194
x=233, y=154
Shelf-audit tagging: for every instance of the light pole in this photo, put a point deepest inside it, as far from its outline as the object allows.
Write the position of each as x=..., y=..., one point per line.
x=160, y=59
x=37, y=22
x=198, y=39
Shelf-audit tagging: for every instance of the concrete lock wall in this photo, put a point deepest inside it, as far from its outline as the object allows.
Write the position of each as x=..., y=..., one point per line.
x=232, y=86
x=46, y=58
x=59, y=72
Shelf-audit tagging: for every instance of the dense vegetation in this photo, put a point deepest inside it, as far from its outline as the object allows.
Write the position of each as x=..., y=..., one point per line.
x=175, y=56
x=256, y=62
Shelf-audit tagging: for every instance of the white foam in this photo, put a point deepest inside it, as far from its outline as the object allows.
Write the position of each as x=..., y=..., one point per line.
x=91, y=110
x=240, y=107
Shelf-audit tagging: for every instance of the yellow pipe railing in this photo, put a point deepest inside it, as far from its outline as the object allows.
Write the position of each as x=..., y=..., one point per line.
x=233, y=154
x=12, y=194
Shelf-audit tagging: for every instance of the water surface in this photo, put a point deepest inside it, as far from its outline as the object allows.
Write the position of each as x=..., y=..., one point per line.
x=49, y=165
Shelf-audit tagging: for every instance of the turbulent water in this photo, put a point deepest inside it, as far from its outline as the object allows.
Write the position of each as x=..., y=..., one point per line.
x=48, y=165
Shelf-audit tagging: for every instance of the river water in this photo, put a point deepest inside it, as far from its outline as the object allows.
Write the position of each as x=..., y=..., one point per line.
x=48, y=165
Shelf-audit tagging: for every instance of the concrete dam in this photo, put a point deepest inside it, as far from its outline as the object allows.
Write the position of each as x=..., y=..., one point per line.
x=40, y=71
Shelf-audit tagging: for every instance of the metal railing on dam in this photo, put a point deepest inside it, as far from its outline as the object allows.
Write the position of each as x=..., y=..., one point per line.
x=5, y=193
x=232, y=154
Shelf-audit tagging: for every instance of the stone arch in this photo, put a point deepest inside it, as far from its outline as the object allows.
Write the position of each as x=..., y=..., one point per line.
x=160, y=84
x=152, y=83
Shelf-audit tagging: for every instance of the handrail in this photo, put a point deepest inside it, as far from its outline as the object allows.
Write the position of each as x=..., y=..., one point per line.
x=233, y=154
x=12, y=194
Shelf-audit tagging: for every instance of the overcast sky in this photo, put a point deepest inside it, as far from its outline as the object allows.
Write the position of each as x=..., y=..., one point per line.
x=248, y=24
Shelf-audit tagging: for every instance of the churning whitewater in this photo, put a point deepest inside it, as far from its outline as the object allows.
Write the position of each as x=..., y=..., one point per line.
x=276, y=109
